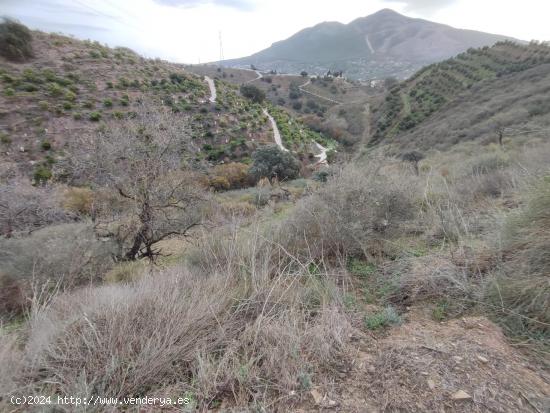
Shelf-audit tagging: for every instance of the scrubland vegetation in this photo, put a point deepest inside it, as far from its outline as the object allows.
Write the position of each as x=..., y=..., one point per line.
x=137, y=268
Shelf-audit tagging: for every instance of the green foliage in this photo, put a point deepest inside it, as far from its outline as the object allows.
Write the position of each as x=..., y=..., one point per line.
x=15, y=41
x=108, y=102
x=270, y=162
x=409, y=103
x=385, y=318
x=94, y=116
x=70, y=96
x=9, y=91
x=125, y=100
x=46, y=145
x=42, y=174
x=441, y=310
x=54, y=89
x=254, y=93
x=361, y=268
x=4, y=138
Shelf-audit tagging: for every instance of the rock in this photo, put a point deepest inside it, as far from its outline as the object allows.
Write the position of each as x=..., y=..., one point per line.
x=458, y=359
x=431, y=384
x=316, y=396
x=482, y=359
x=461, y=395
x=332, y=403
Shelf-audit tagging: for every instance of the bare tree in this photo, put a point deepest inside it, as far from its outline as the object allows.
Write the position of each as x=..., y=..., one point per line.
x=140, y=160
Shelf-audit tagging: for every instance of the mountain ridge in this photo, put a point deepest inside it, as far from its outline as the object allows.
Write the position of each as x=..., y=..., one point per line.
x=382, y=44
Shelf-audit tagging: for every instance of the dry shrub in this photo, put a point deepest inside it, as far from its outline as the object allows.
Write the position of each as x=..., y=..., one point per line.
x=219, y=183
x=12, y=298
x=232, y=332
x=24, y=207
x=527, y=233
x=521, y=304
x=10, y=364
x=431, y=277
x=78, y=200
x=68, y=254
x=354, y=214
x=126, y=271
x=520, y=295
x=233, y=175
x=237, y=209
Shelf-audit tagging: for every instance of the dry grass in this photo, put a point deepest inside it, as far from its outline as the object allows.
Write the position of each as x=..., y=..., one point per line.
x=235, y=333
x=354, y=214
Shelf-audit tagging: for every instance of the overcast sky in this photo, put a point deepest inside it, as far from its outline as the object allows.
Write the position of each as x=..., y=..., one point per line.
x=188, y=30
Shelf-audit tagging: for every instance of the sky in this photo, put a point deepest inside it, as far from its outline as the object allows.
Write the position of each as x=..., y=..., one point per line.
x=188, y=31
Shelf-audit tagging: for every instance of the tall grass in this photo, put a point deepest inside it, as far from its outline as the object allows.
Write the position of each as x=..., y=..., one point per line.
x=244, y=329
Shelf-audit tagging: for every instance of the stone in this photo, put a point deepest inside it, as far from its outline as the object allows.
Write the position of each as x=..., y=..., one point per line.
x=461, y=395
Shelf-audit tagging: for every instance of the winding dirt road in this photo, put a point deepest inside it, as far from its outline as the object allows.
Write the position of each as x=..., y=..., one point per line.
x=212, y=87
x=276, y=133
x=323, y=155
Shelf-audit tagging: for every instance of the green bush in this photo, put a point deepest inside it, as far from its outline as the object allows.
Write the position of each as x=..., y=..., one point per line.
x=270, y=162
x=54, y=89
x=385, y=318
x=46, y=145
x=42, y=174
x=4, y=138
x=94, y=116
x=70, y=96
x=9, y=91
x=108, y=103
x=15, y=41
x=254, y=93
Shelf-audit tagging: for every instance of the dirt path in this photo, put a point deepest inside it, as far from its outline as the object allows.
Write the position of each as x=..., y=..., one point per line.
x=276, y=133
x=256, y=78
x=369, y=44
x=212, y=87
x=301, y=87
x=322, y=156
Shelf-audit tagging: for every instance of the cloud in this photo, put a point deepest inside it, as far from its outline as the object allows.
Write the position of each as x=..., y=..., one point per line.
x=423, y=6
x=234, y=4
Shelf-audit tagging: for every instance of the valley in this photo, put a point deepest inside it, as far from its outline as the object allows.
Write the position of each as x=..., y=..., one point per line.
x=250, y=240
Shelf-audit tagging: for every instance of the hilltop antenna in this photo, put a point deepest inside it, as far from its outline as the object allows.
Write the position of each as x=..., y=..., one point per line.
x=221, y=47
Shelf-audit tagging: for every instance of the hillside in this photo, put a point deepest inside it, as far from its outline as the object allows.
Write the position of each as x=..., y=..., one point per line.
x=468, y=97
x=334, y=106
x=377, y=46
x=73, y=87
x=177, y=239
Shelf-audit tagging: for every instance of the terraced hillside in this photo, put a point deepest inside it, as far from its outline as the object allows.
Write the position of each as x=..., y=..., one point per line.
x=72, y=87
x=334, y=106
x=465, y=78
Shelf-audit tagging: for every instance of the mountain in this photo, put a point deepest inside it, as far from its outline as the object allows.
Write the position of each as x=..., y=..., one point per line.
x=383, y=44
x=469, y=97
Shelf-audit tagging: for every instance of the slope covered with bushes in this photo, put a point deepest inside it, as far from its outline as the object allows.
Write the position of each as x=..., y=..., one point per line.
x=474, y=74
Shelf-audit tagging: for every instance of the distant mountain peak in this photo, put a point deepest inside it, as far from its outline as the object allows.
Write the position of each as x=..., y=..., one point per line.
x=382, y=44
x=386, y=12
